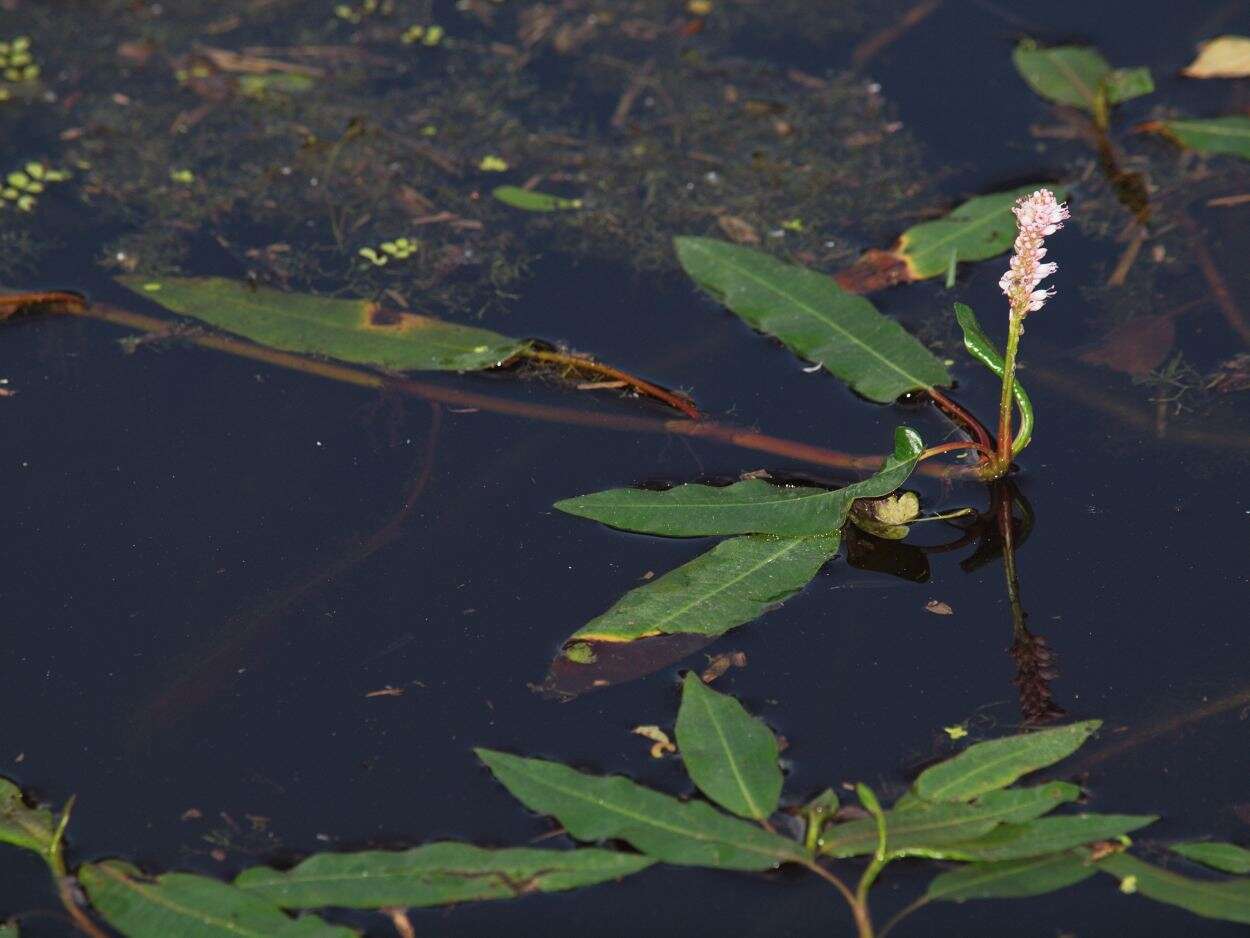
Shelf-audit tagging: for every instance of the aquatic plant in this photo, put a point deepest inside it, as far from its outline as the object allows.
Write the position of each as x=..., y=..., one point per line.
x=989, y=837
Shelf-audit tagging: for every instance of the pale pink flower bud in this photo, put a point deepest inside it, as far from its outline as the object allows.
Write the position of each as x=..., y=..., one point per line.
x=1037, y=216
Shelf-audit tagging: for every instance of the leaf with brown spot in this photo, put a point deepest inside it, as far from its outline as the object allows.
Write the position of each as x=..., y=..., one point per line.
x=348, y=330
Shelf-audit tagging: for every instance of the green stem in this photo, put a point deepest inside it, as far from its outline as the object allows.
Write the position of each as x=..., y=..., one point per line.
x=1005, y=402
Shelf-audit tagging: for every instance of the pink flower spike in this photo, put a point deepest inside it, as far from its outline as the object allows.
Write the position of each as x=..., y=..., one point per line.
x=1037, y=216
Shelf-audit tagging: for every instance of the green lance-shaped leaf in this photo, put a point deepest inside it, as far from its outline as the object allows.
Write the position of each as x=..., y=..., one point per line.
x=1044, y=835
x=434, y=874
x=190, y=907
x=532, y=201
x=729, y=754
x=22, y=826
x=1011, y=879
x=1227, y=858
x=355, y=331
x=923, y=828
x=983, y=350
x=996, y=764
x=1208, y=135
x=736, y=581
x=593, y=807
x=1228, y=900
x=814, y=317
x=749, y=507
x=980, y=228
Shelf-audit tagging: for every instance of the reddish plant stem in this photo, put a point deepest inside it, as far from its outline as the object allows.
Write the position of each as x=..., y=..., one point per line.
x=955, y=446
x=600, y=370
x=956, y=412
x=722, y=433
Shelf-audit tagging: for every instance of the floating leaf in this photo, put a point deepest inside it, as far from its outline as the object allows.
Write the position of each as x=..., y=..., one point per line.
x=22, y=826
x=983, y=350
x=1228, y=900
x=1227, y=858
x=1045, y=835
x=814, y=317
x=435, y=874
x=190, y=907
x=8, y=930
x=922, y=828
x=729, y=754
x=735, y=582
x=1222, y=57
x=532, y=201
x=691, y=833
x=996, y=764
x=349, y=330
x=750, y=507
x=1012, y=879
x=980, y=228
x=1229, y=134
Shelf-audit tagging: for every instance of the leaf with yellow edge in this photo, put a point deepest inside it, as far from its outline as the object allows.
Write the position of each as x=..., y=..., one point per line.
x=350, y=330
x=978, y=229
x=1222, y=57
x=736, y=581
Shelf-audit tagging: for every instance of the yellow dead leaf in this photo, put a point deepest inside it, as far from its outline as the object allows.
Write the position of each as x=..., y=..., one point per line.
x=897, y=509
x=955, y=732
x=1222, y=57
x=662, y=745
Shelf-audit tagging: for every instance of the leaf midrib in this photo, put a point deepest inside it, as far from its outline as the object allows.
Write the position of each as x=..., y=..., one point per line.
x=153, y=895
x=794, y=544
x=1215, y=130
x=756, y=811
x=978, y=772
x=693, y=833
x=816, y=313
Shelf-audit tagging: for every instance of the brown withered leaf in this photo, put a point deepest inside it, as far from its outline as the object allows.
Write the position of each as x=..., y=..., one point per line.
x=719, y=664
x=1232, y=375
x=875, y=270
x=1136, y=347
x=939, y=608
x=241, y=63
x=738, y=230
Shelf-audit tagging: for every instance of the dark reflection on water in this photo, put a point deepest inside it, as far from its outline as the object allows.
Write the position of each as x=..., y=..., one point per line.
x=210, y=565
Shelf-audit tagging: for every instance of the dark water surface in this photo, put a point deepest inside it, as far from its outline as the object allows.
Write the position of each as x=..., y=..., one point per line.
x=203, y=577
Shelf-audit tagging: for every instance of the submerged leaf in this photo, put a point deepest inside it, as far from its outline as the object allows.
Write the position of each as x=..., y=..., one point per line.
x=750, y=507
x=1222, y=57
x=729, y=754
x=435, y=874
x=190, y=907
x=814, y=317
x=350, y=330
x=1228, y=900
x=532, y=201
x=1229, y=134
x=980, y=228
x=1079, y=76
x=593, y=807
x=1011, y=879
x=22, y=826
x=1227, y=858
x=735, y=582
x=1071, y=75
x=996, y=764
